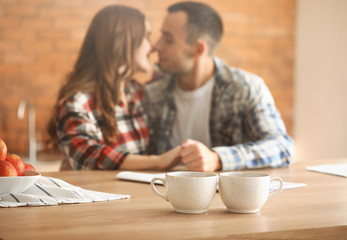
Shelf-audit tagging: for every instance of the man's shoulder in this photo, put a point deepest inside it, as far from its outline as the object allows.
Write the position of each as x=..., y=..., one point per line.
x=134, y=85
x=231, y=75
x=157, y=88
x=158, y=81
x=135, y=89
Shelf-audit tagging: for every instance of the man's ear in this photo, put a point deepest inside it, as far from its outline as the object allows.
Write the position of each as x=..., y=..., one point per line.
x=201, y=48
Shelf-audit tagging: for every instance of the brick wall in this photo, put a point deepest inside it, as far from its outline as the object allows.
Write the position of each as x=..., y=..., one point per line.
x=39, y=41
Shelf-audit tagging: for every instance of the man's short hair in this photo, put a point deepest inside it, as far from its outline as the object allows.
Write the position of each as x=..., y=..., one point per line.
x=203, y=21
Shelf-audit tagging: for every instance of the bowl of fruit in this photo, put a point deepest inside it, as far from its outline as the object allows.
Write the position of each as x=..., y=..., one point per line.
x=15, y=175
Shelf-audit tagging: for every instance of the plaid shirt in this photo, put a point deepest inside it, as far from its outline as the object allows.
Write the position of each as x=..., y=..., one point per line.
x=246, y=129
x=81, y=139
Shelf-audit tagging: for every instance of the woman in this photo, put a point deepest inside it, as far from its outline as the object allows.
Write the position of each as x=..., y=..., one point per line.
x=98, y=120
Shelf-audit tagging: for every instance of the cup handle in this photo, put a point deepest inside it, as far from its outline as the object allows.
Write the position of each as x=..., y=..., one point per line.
x=155, y=190
x=273, y=192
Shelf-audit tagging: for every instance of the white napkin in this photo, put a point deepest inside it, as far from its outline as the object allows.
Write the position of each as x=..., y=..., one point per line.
x=334, y=169
x=53, y=191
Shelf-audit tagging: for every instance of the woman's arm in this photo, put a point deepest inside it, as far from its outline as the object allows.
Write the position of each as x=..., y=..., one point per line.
x=164, y=161
x=81, y=141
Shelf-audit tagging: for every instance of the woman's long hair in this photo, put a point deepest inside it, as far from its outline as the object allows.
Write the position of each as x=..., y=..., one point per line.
x=110, y=44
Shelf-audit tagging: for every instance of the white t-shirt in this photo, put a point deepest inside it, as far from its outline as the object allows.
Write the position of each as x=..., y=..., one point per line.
x=192, y=114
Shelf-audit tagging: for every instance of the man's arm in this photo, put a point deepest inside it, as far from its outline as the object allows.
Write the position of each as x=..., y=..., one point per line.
x=269, y=144
x=269, y=152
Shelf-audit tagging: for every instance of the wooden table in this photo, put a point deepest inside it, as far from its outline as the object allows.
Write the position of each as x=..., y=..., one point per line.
x=318, y=211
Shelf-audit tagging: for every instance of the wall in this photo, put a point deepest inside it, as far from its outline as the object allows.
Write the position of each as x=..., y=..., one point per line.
x=39, y=41
x=321, y=79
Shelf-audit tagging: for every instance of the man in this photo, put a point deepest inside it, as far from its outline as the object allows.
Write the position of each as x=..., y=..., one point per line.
x=224, y=118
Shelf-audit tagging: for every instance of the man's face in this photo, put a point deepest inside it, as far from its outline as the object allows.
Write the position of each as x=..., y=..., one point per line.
x=175, y=55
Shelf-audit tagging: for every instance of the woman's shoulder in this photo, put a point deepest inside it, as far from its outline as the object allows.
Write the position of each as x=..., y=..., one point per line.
x=80, y=102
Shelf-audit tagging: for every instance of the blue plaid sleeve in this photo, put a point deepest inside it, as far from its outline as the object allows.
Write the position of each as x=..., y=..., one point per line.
x=268, y=144
x=270, y=152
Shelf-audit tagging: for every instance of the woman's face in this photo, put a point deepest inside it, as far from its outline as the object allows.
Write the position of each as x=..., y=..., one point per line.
x=142, y=53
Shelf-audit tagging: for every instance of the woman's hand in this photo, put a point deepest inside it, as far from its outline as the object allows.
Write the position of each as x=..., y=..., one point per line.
x=169, y=159
x=164, y=161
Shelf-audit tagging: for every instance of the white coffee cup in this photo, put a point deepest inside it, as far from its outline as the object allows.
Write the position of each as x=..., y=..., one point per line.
x=246, y=192
x=188, y=192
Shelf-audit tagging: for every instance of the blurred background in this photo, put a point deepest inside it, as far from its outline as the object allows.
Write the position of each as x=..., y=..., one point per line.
x=297, y=46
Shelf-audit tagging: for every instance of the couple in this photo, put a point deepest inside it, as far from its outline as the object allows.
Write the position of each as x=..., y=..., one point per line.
x=196, y=111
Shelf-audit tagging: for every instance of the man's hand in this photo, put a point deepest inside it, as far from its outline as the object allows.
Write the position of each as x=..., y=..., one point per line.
x=197, y=157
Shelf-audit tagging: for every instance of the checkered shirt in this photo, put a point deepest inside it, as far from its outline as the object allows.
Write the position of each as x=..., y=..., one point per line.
x=81, y=139
x=246, y=129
